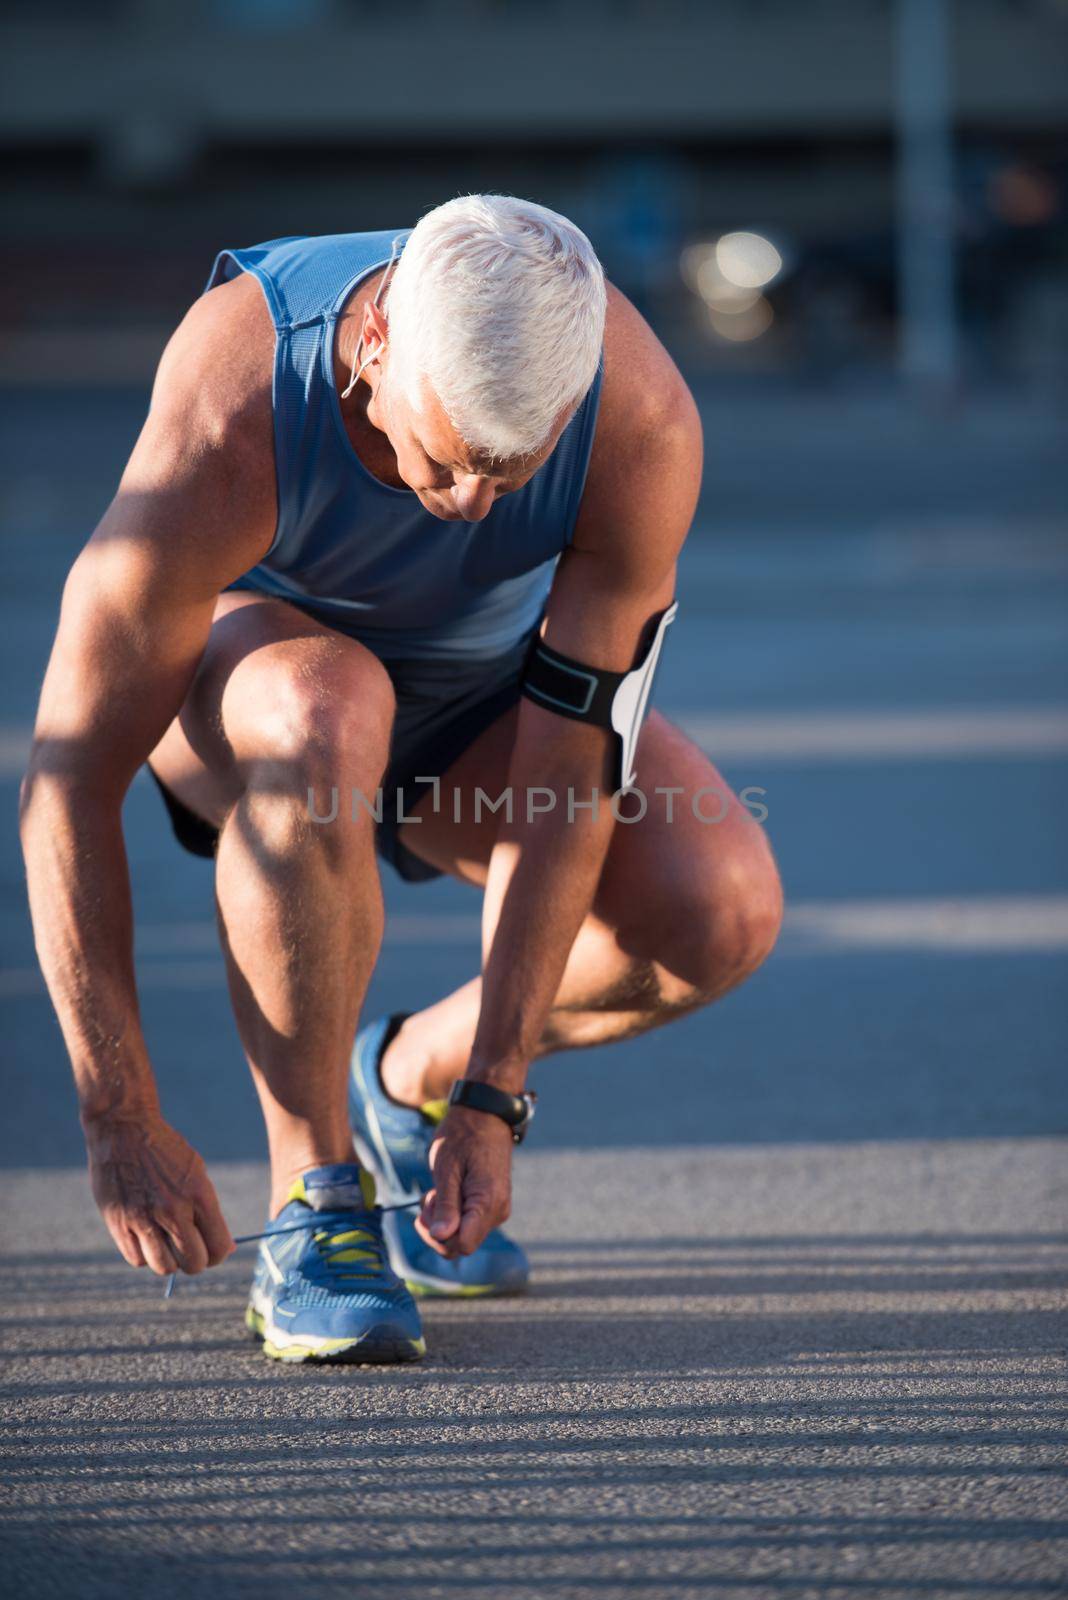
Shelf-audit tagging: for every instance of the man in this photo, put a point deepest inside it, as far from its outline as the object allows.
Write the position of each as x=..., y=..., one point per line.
x=403, y=508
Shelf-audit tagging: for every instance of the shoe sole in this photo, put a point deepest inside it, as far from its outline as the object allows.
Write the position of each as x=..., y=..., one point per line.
x=415, y=1282
x=434, y=1289
x=382, y=1346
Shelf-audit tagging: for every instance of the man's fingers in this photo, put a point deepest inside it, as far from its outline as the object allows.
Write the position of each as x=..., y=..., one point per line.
x=475, y=1223
x=187, y=1239
x=444, y=1207
x=423, y=1221
x=126, y=1241
x=217, y=1237
x=156, y=1249
x=186, y=1245
x=440, y=1217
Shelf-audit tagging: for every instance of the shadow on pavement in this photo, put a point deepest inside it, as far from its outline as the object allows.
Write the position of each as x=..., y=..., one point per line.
x=770, y=1415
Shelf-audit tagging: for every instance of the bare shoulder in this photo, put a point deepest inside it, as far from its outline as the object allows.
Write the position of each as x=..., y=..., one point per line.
x=644, y=395
x=645, y=467
x=202, y=473
x=215, y=373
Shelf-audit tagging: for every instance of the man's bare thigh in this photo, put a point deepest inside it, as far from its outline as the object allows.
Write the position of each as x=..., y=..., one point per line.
x=668, y=841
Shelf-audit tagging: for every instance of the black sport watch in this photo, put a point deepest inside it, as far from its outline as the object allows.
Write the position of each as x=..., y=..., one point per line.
x=515, y=1109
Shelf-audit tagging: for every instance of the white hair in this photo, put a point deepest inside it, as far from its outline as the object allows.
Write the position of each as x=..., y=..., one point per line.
x=499, y=304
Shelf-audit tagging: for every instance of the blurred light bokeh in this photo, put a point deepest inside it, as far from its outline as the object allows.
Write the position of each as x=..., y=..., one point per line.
x=874, y=144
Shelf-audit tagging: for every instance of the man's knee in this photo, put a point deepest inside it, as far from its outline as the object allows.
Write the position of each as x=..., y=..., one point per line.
x=313, y=713
x=743, y=918
x=722, y=922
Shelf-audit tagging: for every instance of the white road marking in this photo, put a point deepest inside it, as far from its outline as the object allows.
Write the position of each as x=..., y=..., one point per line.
x=959, y=922
x=880, y=735
x=14, y=749
x=944, y=733
x=15, y=741
x=979, y=923
x=982, y=924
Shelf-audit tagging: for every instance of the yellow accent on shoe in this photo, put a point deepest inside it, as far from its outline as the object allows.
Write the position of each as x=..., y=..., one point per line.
x=308, y=1352
x=463, y=1291
x=256, y=1324
x=357, y=1234
x=297, y=1190
x=435, y=1111
x=329, y=1348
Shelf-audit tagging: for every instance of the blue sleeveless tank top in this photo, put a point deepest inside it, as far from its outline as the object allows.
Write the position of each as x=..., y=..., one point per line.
x=360, y=556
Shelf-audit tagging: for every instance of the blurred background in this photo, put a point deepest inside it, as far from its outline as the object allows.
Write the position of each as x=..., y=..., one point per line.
x=906, y=160
x=848, y=220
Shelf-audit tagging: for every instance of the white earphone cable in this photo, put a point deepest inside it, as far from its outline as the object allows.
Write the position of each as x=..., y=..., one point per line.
x=355, y=371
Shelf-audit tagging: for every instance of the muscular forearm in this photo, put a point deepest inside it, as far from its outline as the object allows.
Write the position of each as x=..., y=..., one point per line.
x=151, y=1187
x=80, y=903
x=542, y=879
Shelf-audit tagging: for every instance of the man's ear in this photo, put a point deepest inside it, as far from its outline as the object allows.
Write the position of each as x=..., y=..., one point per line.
x=374, y=329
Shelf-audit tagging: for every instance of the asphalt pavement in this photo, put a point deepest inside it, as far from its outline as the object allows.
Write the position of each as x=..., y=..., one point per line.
x=798, y=1316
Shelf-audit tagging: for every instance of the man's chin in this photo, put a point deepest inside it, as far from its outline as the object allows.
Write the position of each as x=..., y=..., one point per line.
x=437, y=508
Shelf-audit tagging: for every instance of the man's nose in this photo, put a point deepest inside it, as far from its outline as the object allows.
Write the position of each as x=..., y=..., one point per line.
x=472, y=497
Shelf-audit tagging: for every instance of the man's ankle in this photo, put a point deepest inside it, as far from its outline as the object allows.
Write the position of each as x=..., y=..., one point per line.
x=401, y=1070
x=408, y=1073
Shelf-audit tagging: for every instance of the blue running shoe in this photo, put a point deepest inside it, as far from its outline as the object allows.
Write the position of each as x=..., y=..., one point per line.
x=323, y=1289
x=393, y=1143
